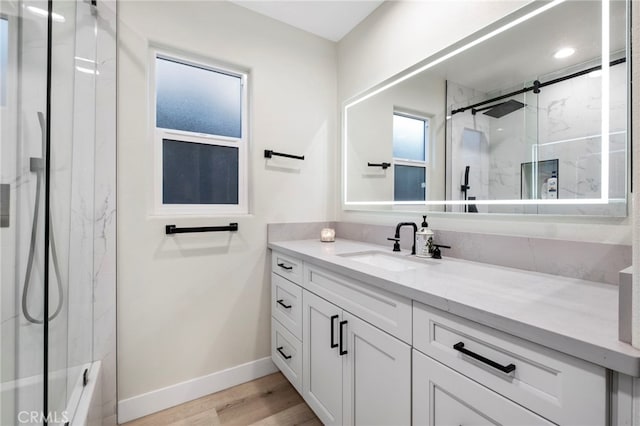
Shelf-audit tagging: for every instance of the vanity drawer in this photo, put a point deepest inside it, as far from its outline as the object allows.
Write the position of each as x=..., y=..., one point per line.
x=442, y=396
x=286, y=353
x=287, y=267
x=387, y=311
x=561, y=388
x=286, y=304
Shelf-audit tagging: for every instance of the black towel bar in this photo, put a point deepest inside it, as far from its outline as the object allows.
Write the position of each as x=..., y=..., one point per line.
x=173, y=229
x=269, y=153
x=384, y=166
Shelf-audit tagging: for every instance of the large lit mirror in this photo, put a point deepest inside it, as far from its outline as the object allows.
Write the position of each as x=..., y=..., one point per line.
x=528, y=116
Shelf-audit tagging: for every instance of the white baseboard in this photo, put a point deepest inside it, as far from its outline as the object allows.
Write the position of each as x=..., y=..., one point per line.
x=161, y=399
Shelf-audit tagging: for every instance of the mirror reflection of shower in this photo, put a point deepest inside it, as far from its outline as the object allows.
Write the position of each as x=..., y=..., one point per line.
x=538, y=141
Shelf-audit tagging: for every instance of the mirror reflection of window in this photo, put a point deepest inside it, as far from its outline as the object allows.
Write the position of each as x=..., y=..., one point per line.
x=410, y=156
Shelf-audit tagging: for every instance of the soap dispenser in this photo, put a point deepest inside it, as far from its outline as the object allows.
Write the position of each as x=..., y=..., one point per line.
x=424, y=239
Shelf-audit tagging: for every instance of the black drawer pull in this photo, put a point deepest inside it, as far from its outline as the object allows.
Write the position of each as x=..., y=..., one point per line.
x=281, y=303
x=342, y=352
x=285, y=356
x=333, y=318
x=504, y=368
x=283, y=266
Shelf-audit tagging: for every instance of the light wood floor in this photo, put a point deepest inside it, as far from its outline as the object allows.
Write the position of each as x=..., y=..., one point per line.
x=268, y=401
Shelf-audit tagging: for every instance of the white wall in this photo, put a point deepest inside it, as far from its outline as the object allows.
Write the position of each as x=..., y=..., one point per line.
x=400, y=34
x=191, y=305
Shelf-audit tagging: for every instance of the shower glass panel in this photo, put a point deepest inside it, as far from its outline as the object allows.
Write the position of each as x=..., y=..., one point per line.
x=484, y=143
x=46, y=347
x=22, y=235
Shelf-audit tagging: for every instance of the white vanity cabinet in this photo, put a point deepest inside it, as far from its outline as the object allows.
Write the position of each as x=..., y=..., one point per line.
x=353, y=372
x=286, y=318
x=443, y=397
x=362, y=355
x=322, y=362
x=376, y=376
x=560, y=388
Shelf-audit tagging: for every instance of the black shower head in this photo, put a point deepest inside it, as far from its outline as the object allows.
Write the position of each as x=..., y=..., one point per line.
x=504, y=108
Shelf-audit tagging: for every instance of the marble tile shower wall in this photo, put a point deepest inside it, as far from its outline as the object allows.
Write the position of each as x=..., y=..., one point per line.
x=569, y=129
x=511, y=139
x=563, y=122
x=588, y=261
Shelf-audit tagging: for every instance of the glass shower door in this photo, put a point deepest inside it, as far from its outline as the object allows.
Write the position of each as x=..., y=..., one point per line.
x=24, y=88
x=74, y=73
x=45, y=351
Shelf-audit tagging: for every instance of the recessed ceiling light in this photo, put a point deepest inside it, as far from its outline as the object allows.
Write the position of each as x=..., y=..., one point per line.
x=500, y=129
x=565, y=52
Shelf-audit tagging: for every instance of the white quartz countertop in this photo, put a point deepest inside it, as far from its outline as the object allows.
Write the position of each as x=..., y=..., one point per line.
x=577, y=317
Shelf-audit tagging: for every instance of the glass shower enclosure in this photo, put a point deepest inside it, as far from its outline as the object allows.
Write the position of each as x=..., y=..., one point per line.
x=48, y=74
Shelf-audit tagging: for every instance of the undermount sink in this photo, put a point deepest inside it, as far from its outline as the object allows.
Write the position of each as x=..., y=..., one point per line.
x=388, y=261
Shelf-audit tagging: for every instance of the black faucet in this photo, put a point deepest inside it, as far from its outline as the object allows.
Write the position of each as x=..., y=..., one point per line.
x=435, y=254
x=396, y=245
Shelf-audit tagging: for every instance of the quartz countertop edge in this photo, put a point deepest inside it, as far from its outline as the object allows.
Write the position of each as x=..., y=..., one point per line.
x=573, y=316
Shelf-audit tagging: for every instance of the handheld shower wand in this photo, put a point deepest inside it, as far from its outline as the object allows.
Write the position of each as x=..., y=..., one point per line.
x=465, y=187
x=37, y=166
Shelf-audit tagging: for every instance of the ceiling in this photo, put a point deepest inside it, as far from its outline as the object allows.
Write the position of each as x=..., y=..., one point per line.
x=330, y=19
x=525, y=52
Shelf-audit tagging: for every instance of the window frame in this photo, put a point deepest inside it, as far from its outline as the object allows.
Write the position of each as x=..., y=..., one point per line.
x=160, y=134
x=413, y=163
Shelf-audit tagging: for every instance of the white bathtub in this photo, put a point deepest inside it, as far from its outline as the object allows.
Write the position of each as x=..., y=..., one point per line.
x=22, y=399
x=89, y=409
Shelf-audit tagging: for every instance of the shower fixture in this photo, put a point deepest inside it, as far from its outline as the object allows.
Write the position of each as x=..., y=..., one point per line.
x=535, y=88
x=37, y=166
x=501, y=109
x=465, y=187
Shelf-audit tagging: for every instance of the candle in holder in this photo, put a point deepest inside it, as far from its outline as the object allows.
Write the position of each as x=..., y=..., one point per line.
x=327, y=235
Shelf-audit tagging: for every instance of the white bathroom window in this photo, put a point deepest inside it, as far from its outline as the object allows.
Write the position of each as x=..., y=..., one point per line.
x=200, y=121
x=410, y=156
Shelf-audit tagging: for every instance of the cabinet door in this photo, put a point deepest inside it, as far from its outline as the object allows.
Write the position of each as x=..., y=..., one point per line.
x=377, y=375
x=322, y=363
x=442, y=397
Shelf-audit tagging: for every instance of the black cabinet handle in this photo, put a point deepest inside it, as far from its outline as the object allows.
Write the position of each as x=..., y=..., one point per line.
x=281, y=303
x=504, y=368
x=342, y=352
x=285, y=356
x=283, y=266
x=333, y=319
